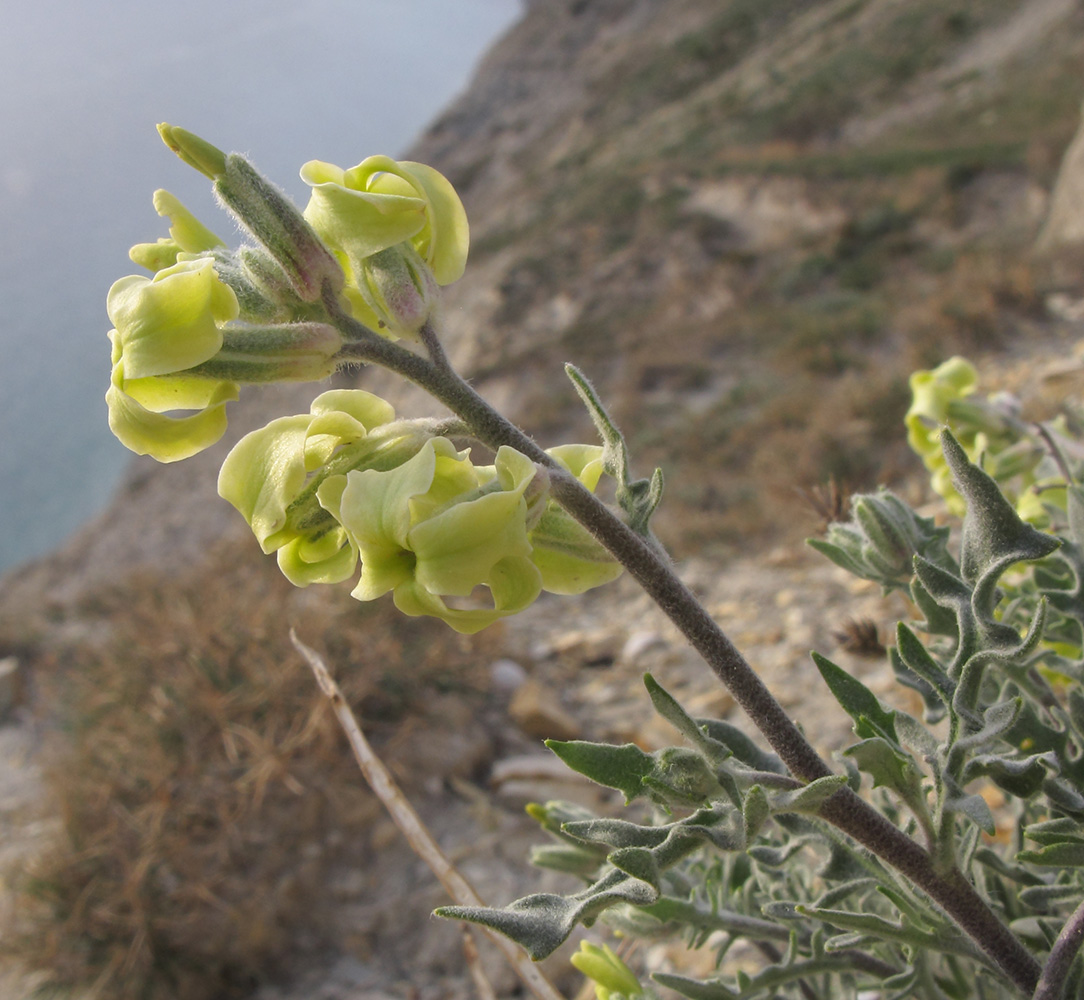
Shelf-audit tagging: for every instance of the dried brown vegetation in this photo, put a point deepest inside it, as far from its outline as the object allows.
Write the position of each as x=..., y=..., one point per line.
x=203, y=786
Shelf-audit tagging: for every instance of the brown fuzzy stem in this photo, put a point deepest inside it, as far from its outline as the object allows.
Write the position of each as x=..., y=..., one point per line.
x=949, y=889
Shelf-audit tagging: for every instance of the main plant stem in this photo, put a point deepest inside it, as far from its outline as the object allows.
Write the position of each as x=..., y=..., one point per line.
x=845, y=809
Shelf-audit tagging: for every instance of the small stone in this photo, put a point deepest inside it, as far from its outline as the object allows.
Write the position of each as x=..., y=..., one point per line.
x=9, y=684
x=538, y=713
x=785, y=598
x=506, y=676
x=639, y=643
x=717, y=703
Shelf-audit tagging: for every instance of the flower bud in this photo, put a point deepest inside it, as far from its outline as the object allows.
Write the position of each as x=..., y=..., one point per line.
x=611, y=975
x=274, y=220
x=196, y=152
x=399, y=289
x=186, y=235
x=292, y=352
x=882, y=540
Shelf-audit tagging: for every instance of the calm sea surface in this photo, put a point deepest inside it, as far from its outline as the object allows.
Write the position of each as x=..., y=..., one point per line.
x=81, y=88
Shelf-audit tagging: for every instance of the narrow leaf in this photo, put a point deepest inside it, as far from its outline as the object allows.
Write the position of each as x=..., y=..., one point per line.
x=857, y=701
x=621, y=767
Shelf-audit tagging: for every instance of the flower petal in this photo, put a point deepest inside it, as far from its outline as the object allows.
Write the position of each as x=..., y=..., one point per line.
x=514, y=584
x=328, y=559
x=457, y=550
x=263, y=474
x=374, y=508
x=169, y=323
x=166, y=438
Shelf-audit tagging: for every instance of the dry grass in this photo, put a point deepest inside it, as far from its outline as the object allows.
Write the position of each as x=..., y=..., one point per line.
x=203, y=785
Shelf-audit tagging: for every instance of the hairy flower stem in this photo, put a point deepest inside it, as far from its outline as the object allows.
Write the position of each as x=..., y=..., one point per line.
x=1060, y=960
x=845, y=809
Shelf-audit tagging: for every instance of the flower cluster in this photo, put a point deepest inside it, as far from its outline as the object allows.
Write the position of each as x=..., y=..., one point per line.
x=382, y=236
x=989, y=429
x=346, y=483
x=469, y=544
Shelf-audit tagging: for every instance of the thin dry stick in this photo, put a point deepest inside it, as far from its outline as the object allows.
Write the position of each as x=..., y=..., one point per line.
x=415, y=831
x=477, y=973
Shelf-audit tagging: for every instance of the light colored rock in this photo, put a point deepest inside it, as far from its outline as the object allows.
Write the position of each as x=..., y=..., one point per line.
x=1065, y=222
x=537, y=712
x=9, y=684
x=506, y=676
x=639, y=643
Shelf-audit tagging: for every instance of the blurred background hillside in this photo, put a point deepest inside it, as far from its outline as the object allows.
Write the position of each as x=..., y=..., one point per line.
x=748, y=222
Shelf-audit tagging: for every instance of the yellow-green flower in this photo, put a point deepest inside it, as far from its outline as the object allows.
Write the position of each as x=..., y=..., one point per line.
x=382, y=202
x=565, y=552
x=989, y=430
x=398, y=229
x=611, y=976
x=272, y=474
x=164, y=326
x=433, y=530
x=172, y=321
x=186, y=235
x=139, y=408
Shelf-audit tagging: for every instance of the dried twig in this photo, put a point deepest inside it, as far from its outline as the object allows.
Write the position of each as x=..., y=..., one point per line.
x=477, y=973
x=415, y=831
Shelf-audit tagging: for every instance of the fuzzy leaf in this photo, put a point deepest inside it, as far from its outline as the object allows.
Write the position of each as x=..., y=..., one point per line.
x=1056, y=831
x=915, y=735
x=680, y=776
x=755, y=812
x=918, y=660
x=566, y=858
x=618, y=832
x=542, y=922
x=994, y=537
x=637, y=862
x=810, y=798
x=741, y=746
x=1046, y=897
x=696, y=989
x=974, y=808
x=666, y=705
x=1020, y=778
x=776, y=857
x=1062, y=855
x=870, y=719
x=621, y=767
x=888, y=766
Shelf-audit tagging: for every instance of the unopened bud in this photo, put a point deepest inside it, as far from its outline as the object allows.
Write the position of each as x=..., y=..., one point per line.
x=399, y=288
x=610, y=975
x=292, y=352
x=275, y=221
x=196, y=152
